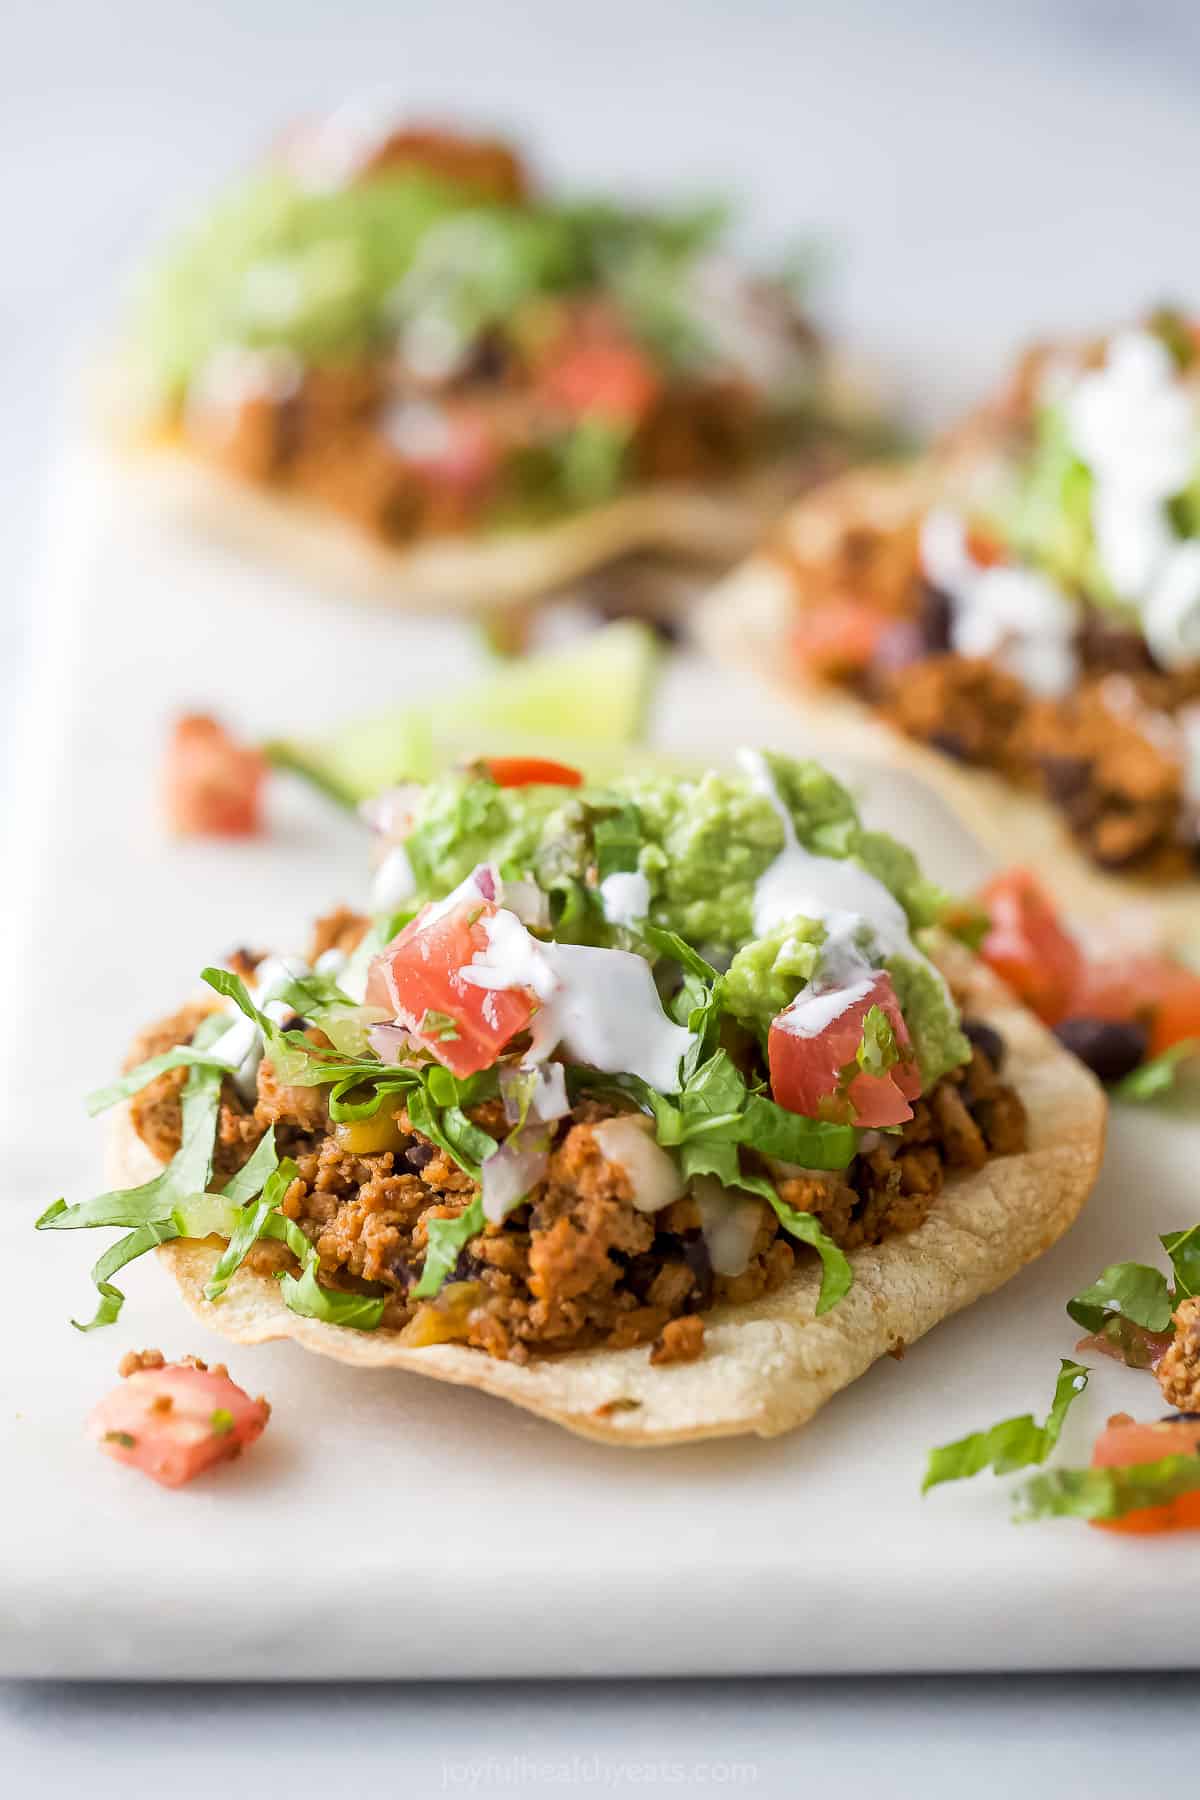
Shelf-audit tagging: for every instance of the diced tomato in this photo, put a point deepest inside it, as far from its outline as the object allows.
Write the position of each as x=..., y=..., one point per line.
x=530, y=771
x=839, y=637
x=611, y=380
x=214, y=785
x=1124, y=1441
x=1158, y=992
x=176, y=1421
x=418, y=979
x=984, y=548
x=808, y=1071
x=1029, y=948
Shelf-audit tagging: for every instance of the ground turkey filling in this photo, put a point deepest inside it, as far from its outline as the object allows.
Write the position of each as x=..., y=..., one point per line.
x=577, y=1264
x=1106, y=755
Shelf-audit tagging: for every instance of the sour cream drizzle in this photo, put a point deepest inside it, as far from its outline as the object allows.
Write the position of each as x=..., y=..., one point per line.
x=600, y=1006
x=1016, y=615
x=625, y=897
x=1133, y=423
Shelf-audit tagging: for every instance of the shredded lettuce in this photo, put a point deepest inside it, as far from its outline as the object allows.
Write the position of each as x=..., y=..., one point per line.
x=446, y=1238
x=158, y=1209
x=1013, y=1443
x=250, y=1225
x=1157, y=1077
x=1107, y=1493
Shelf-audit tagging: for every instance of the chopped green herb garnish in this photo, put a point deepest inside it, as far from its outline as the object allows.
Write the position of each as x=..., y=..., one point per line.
x=221, y=1421
x=1013, y=1443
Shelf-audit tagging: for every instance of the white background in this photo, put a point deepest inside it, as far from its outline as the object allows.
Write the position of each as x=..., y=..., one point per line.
x=985, y=170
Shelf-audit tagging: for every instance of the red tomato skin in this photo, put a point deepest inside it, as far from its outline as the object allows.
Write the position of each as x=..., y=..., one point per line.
x=1125, y=1441
x=839, y=637
x=1158, y=992
x=610, y=380
x=419, y=972
x=213, y=784
x=531, y=771
x=806, y=1071
x=169, y=1422
x=1028, y=947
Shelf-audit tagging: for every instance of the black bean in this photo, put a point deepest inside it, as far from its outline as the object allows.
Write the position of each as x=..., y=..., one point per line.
x=1066, y=778
x=986, y=1038
x=418, y=1155
x=936, y=618
x=1111, y=1048
x=695, y=1254
x=950, y=744
x=1177, y=1418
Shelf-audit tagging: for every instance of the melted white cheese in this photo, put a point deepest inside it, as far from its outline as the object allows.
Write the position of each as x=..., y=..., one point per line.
x=625, y=897
x=628, y=1143
x=600, y=1006
x=1015, y=615
x=730, y=1223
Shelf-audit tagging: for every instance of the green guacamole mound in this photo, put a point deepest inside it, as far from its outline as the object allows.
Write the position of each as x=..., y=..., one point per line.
x=702, y=845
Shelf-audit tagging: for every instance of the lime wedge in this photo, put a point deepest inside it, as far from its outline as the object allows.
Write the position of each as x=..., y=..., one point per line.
x=583, y=705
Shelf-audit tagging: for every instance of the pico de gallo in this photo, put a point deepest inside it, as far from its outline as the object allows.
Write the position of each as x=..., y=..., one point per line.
x=398, y=325
x=595, y=1059
x=1127, y=1009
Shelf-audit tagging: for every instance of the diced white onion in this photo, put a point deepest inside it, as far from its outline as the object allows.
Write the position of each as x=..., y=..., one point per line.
x=508, y=1175
x=390, y=1042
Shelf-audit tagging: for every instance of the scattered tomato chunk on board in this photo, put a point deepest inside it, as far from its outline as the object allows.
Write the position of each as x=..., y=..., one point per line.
x=1126, y=1441
x=174, y=1420
x=213, y=784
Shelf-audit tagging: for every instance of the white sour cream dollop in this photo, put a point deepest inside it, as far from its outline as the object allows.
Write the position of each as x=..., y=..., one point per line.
x=1015, y=615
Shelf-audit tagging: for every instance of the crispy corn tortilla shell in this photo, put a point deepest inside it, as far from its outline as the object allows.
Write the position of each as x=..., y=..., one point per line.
x=745, y=621
x=463, y=574
x=770, y=1365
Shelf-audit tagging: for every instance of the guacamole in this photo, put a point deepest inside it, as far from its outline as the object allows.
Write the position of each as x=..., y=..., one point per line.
x=700, y=847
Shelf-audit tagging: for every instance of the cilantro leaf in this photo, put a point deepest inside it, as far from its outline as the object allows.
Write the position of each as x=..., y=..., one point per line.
x=446, y=1238
x=1158, y=1076
x=1013, y=1443
x=1108, y=1493
x=878, y=1050
x=1132, y=1291
x=1183, y=1248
